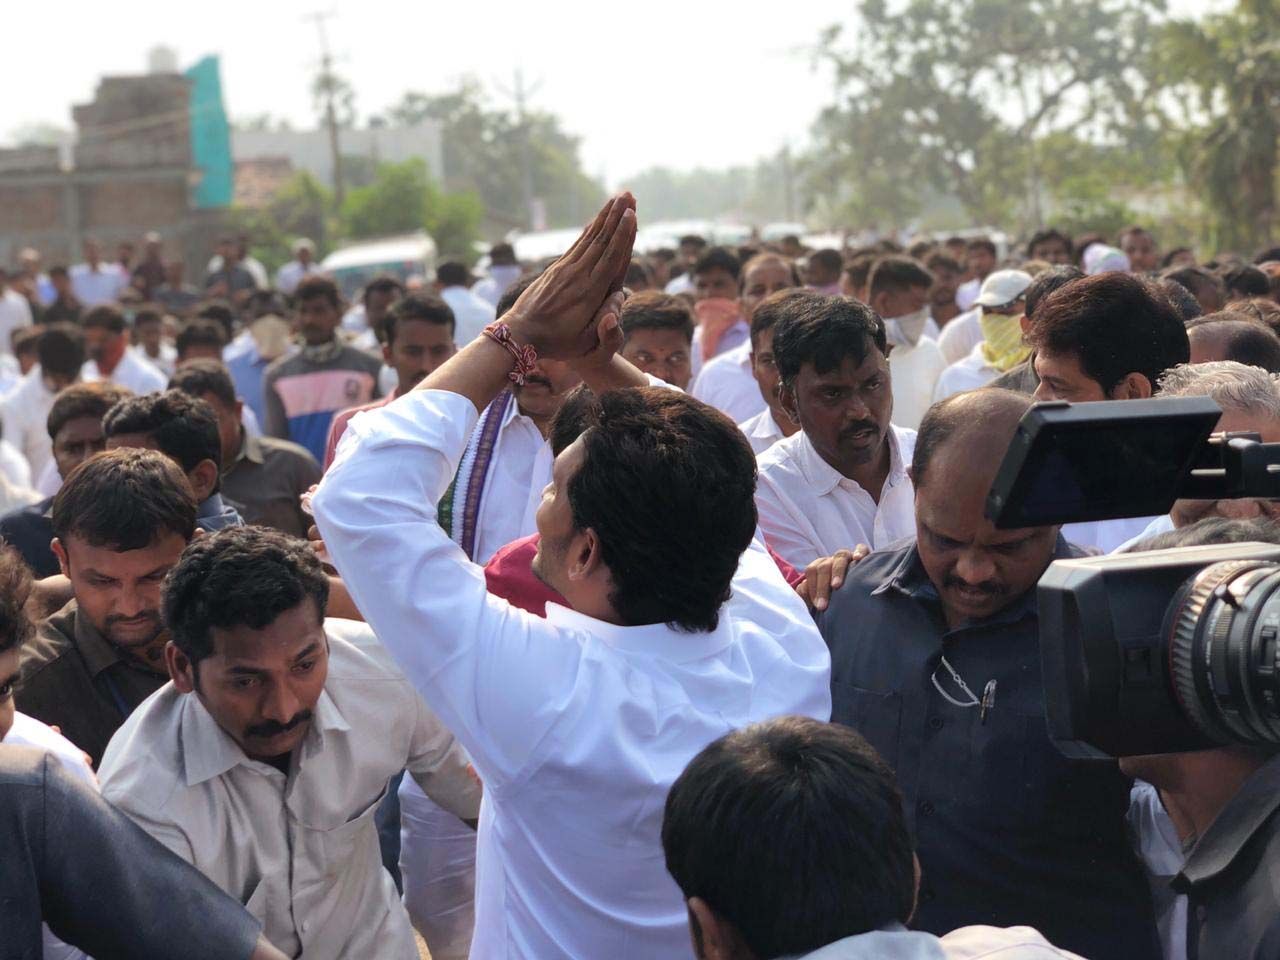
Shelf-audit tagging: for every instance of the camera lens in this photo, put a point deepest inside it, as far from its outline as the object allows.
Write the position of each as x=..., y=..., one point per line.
x=1223, y=626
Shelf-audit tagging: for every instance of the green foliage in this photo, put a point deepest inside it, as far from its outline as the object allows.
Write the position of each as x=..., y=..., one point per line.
x=402, y=198
x=484, y=154
x=299, y=209
x=757, y=194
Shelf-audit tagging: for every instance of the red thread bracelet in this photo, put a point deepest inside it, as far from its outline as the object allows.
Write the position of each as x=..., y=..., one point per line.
x=525, y=356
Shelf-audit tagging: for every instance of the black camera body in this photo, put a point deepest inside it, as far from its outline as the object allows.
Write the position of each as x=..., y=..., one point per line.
x=1137, y=660
x=1150, y=652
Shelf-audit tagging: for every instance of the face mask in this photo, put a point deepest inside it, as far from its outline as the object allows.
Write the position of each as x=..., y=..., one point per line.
x=907, y=329
x=1002, y=345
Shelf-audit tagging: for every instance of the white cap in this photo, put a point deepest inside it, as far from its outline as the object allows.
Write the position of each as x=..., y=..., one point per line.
x=303, y=243
x=1100, y=258
x=1003, y=286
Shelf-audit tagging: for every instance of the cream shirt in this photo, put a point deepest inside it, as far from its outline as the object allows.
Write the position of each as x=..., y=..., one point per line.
x=300, y=852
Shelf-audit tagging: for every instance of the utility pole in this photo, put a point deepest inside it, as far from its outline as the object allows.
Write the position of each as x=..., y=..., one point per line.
x=520, y=96
x=327, y=83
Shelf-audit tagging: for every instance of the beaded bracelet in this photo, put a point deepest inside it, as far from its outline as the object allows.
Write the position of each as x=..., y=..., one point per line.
x=525, y=356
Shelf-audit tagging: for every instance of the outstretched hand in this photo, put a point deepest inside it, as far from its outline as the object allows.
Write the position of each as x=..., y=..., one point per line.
x=563, y=313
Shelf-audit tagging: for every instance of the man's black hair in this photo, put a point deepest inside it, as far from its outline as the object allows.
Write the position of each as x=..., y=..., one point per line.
x=513, y=292
x=184, y=428
x=1244, y=281
x=200, y=378
x=382, y=283
x=638, y=272
x=503, y=255
x=82, y=400
x=829, y=262
x=1114, y=324
x=718, y=258
x=146, y=317
x=673, y=542
x=575, y=414
x=981, y=243
x=823, y=331
x=1167, y=260
x=124, y=500
x=940, y=261
x=60, y=349
x=1196, y=280
x=1211, y=531
x=897, y=273
x=15, y=588
x=858, y=267
x=59, y=270
x=1045, y=236
x=200, y=333
x=1183, y=300
x=1244, y=341
x=417, y=306
x=793, y=831
x=652, y=310
x=1047, y=281
x=221, y=312
x=692, y=240
x=1267, y=255
x=771, y=310
x=238, y=577
x=453, y=273
x=106, y=317
x=316, y=285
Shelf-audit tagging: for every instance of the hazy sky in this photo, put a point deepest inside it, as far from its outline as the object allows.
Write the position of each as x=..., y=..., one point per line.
x=681, y=83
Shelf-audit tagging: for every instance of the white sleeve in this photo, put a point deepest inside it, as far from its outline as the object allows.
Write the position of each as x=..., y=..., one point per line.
x=783, y=530
x=495, y=675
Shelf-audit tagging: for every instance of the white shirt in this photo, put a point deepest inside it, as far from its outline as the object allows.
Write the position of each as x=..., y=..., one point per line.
x=166, y=363
x=1155, y=841
x=737, y=336
x=14, y=466
x=132, y=372
x=1107, y=536
x=681, y=284
x=301, y=852
x=727, y=383
x=519, y=469
x=808, y=509
x=470, y=314
x=968, y=373
x=15, y=313
x=103, y=285
x=24, y=415
x=966, y=943
x=961, y=335
x=914, y=372
x=290, y=275
x=1161, y=524
x=498, y=282
x=762, y=431
x=967, y=293
x=577, y=727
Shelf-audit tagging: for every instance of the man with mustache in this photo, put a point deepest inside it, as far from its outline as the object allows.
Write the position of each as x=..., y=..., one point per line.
x=263, y=762
x=418, y=335
x=936, y=661
x=842, y=480
x=120, y=521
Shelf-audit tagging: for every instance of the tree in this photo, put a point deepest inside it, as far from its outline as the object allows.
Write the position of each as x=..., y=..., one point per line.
x=953, y=96
x=1223, y=78
x=484, y=154
x=298, y=209
x=403, y=198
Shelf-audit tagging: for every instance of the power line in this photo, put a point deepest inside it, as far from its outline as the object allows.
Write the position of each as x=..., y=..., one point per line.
x=328, y=85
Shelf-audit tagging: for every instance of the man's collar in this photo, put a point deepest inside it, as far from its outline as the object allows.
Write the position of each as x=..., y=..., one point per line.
x=250, y=449
x=208, y=751
x=824, y=478
x=908, y=578
x=97, y=651
x=1234, y=826
x=654, y=639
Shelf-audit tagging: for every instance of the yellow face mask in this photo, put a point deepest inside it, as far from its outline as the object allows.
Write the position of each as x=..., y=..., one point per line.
x=1002, y=345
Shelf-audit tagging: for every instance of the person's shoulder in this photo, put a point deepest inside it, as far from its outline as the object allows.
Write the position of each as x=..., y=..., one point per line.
x=781, y=457
x=356, y=654
x=22, y=518
x=51, y=645
x=146, y=752
x=906, y=439
x=30, y=732
x=360, y=360
x=977, y=942
x=283, y=365
x=277, y=448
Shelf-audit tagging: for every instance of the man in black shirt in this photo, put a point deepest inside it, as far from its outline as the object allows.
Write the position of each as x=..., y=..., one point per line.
x=936, y=661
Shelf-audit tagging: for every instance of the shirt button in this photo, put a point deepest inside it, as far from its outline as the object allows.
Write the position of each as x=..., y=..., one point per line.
x=936, y=722
x=926, y=807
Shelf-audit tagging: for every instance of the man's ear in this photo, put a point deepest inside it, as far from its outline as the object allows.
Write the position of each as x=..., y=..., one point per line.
x=714, y=937
x=585, y=557
x=203, y=478
x=1025, y=323
x=787, y=399
x=1135, y=386
x=60, y=552
x=386, y=354
x=180, y=669
x=239, y=410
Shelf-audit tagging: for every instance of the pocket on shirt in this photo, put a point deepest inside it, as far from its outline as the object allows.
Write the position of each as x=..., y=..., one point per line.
x=876, y=714
x=341, y=844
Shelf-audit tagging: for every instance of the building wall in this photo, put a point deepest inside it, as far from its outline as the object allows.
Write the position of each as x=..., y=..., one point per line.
x=309, y=149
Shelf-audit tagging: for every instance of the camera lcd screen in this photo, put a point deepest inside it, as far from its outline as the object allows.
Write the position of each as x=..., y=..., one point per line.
x=1098, y=461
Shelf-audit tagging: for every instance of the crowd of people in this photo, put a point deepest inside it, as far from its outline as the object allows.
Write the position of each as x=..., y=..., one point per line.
x=624, y=606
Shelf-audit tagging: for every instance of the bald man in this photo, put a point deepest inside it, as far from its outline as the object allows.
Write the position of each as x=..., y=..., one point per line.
x=936, y=661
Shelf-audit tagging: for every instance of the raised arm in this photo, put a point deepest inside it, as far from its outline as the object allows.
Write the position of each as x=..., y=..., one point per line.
x=493, y=674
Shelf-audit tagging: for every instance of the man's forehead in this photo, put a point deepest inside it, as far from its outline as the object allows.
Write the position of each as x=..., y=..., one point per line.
x=849, y=367
x=243, y=645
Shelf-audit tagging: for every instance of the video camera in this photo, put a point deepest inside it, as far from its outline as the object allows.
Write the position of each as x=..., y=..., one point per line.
x=1154, y=652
